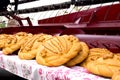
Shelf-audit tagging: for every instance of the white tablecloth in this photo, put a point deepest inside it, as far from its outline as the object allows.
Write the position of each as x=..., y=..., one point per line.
x=29, y=69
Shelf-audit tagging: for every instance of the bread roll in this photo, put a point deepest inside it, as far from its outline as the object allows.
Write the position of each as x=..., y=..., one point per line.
x=102, y=62
x=14, y=43
x=82, y=54
x=58, y=50
x=29, y=49
x=3, y=39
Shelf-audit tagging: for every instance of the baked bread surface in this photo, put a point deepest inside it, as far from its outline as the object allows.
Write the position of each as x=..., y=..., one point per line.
x=29, y=49
x=102, y=62
x=81, y=56
x=58, y=50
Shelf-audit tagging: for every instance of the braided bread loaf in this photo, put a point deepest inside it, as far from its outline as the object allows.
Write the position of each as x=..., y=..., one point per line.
x=3, y=39
x=14, y=42
x=82, y=54
x=102, y=62
x=29, y=49
x=58, y=50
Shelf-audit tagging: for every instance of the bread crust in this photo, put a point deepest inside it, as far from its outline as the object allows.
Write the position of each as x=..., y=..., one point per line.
x=29, y=49
x=14, y=42
x=102, y=62
x=58, y=50
x=81, y=56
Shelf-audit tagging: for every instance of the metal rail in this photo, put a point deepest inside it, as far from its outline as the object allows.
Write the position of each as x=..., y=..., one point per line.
x=38, y=9
x=54, y=6
x=23, y=1
x=90, y=2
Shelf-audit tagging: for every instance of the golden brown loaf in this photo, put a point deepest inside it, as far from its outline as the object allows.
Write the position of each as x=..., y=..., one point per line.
x=3, y=39
x=58, y=50
x=29, y=49
x=102, y=62
x=14, y=43
x=8, y=43
x=82, y=54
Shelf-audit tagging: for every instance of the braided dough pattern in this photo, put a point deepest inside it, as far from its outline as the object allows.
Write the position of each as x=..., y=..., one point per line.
x=3, y=39
x=14, y=42
x=102, y=62
x=83, y=53
x=29, y=49
x=58, y=50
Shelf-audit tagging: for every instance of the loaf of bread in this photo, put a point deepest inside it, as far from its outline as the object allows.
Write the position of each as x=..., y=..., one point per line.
x=58, y=50
x=29, y=49
x=102, y=62
x=3, y=39
x=82, y=54
x=14, y=42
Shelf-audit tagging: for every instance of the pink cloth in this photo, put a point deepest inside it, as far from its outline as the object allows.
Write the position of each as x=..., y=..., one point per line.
x=29, y=69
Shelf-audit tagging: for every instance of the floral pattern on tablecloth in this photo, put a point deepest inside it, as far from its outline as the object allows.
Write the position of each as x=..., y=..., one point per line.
x=29, y=69
x=1, y=62
x=65, y=73
x=12, y=66
x=26, y=70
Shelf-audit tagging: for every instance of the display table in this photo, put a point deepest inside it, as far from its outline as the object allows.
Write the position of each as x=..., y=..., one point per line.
x=29, y=69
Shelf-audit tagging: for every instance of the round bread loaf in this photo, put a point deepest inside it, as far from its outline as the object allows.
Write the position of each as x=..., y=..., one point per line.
x=29, y=49
x=58, y=50
x=82, y=54
x=102, y=62
x=14, y=43
x=3, y=39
